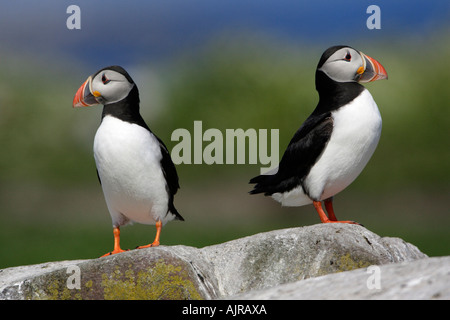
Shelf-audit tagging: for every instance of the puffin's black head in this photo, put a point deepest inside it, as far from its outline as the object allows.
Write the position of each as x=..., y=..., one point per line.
x=345, y=64
x=107, y=86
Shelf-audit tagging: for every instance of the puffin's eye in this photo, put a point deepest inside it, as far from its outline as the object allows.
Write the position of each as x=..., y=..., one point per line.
x=348, y=57
x=105, y=80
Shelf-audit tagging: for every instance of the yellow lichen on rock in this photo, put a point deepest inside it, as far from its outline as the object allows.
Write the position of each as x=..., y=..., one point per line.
x=162, y=281
x=346, y=263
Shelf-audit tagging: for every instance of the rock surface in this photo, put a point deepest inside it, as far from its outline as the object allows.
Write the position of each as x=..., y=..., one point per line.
x=416, y=280
x=258, y=262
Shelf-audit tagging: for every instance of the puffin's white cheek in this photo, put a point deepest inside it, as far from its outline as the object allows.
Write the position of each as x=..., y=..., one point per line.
x=341, y=71
x=116, y=92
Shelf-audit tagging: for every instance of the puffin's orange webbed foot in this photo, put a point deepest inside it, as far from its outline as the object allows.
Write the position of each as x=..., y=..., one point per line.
x=148, y=246
x=329, y=206
x=117, y=248
x=113, y=252
x=158, y=234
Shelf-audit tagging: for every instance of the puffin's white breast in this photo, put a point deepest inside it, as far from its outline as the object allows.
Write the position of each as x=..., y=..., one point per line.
x=128, y=162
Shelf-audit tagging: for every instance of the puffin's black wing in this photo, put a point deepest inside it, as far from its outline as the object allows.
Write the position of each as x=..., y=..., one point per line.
x=302, y=152
x=98, y=176
x=171, y=176
x=168, y=167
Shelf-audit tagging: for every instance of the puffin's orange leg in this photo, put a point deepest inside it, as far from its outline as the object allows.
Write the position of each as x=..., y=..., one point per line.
x=117, y=248
x=329, y=206
x=323, y=217
x=156, y=241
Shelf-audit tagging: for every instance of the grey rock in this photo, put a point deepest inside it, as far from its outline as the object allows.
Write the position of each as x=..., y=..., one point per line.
x=138, y=274
x=257, y=262
x=414, y=280
x=281, y=256
x=13, y=280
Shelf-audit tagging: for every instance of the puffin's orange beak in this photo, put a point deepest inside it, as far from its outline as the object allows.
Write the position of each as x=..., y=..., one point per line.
x=84, y=96
x=372, y=70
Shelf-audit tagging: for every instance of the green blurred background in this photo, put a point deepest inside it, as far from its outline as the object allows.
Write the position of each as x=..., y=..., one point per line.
x=52, y=206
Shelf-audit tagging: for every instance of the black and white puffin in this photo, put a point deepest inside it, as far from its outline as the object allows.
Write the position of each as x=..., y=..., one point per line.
x=136, y=172
x=336, y=141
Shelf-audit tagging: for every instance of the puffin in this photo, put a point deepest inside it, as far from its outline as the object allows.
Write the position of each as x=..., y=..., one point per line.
x=134, y=167
x=334, y=144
